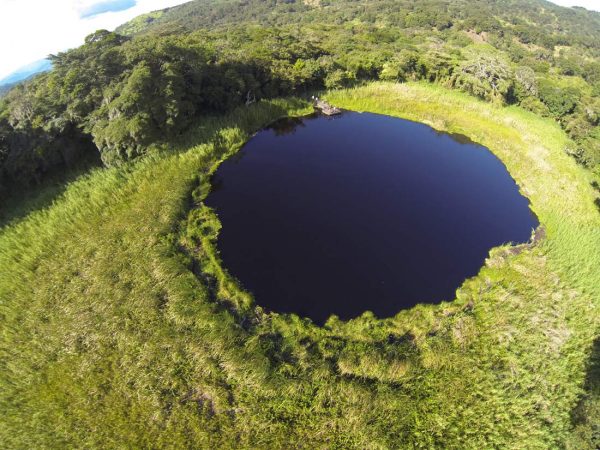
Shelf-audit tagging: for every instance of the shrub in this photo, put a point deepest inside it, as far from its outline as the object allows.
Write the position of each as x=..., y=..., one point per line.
x=487, y=77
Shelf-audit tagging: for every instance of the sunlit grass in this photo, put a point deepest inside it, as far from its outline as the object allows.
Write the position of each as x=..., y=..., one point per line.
x=120, y=328
x=536, y=314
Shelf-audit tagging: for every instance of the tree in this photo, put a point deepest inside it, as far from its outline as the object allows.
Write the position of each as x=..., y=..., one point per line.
x=485, y=76
x=339, y=79
x=392, y=71
x=560, y=101
x=525, y=83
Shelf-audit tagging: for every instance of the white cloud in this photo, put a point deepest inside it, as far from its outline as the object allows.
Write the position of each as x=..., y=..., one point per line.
x=592, y=5
x=32, y=29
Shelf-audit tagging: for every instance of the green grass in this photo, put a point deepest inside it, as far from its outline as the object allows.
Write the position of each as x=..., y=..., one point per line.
x=120, y=328
x=541, y=308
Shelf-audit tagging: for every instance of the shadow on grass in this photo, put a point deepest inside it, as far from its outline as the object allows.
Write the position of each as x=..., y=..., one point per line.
x=22, y=201
x=586, y=416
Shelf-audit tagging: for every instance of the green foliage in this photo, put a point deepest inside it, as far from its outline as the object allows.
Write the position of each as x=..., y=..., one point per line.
x=560, y=101
x=120, y=327
x=125, y=93
x=486, y=77
x=586, y=416
x=408, y=65
x=339, y=79
x=525, y=83
x=589, y=148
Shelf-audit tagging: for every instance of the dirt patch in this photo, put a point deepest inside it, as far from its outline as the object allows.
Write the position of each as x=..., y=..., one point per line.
x=478, y=38
x=538, y=235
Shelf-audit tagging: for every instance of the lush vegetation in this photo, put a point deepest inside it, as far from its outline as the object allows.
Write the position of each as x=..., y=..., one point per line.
x=121, y=328
x=118, y=93
x=119, y=325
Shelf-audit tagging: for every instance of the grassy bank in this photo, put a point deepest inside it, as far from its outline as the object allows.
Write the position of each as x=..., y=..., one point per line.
x=121, y=329
x=541, y=308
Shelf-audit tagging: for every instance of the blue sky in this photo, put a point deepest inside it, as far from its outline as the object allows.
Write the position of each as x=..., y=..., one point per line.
x=106, y=6
x=32, y=29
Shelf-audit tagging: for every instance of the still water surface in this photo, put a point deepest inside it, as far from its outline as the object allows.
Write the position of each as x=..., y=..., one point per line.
x=361, y=212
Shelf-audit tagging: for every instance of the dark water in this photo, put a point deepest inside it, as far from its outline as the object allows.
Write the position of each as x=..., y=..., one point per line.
x=361, y=212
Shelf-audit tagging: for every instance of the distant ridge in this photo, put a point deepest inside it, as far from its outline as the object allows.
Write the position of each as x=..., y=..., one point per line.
x=43, y=65
x=209, y=14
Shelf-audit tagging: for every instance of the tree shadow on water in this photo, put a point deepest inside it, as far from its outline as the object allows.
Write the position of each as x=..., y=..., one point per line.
x=287, y=125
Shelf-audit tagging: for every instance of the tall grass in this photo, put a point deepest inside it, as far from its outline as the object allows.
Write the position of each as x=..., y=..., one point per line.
x=535, y=314
x=120, y=328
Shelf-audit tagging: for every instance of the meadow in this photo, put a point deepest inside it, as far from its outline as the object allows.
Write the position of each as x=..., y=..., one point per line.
x=120, y=328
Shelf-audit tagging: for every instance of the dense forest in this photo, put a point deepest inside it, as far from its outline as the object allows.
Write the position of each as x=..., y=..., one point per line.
x=121, y=328
x=124, y=90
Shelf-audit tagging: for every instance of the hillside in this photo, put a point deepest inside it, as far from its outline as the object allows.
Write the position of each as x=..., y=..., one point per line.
x=206, y=57
x=25, y=72
x=538, y=21
x=122, y=328
x=5, y=88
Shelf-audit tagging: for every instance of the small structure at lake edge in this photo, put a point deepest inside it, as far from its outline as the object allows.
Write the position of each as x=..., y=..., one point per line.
x=325, y=107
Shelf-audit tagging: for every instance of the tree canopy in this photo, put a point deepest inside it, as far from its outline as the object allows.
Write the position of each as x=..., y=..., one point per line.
x=123, y=91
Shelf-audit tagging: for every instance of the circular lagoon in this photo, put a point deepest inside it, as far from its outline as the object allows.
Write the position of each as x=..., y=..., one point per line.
x=344, y=214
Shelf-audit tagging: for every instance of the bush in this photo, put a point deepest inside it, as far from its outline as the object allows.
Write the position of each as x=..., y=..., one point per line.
x=392, y=71
x=559, y=101
x=487, y=77
x=339, y=79
x=590, y=149
x=525, y=83
x=534, y=105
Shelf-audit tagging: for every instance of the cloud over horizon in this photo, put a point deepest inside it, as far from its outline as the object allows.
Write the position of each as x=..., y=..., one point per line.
x=592, y=5
x=34, y=29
